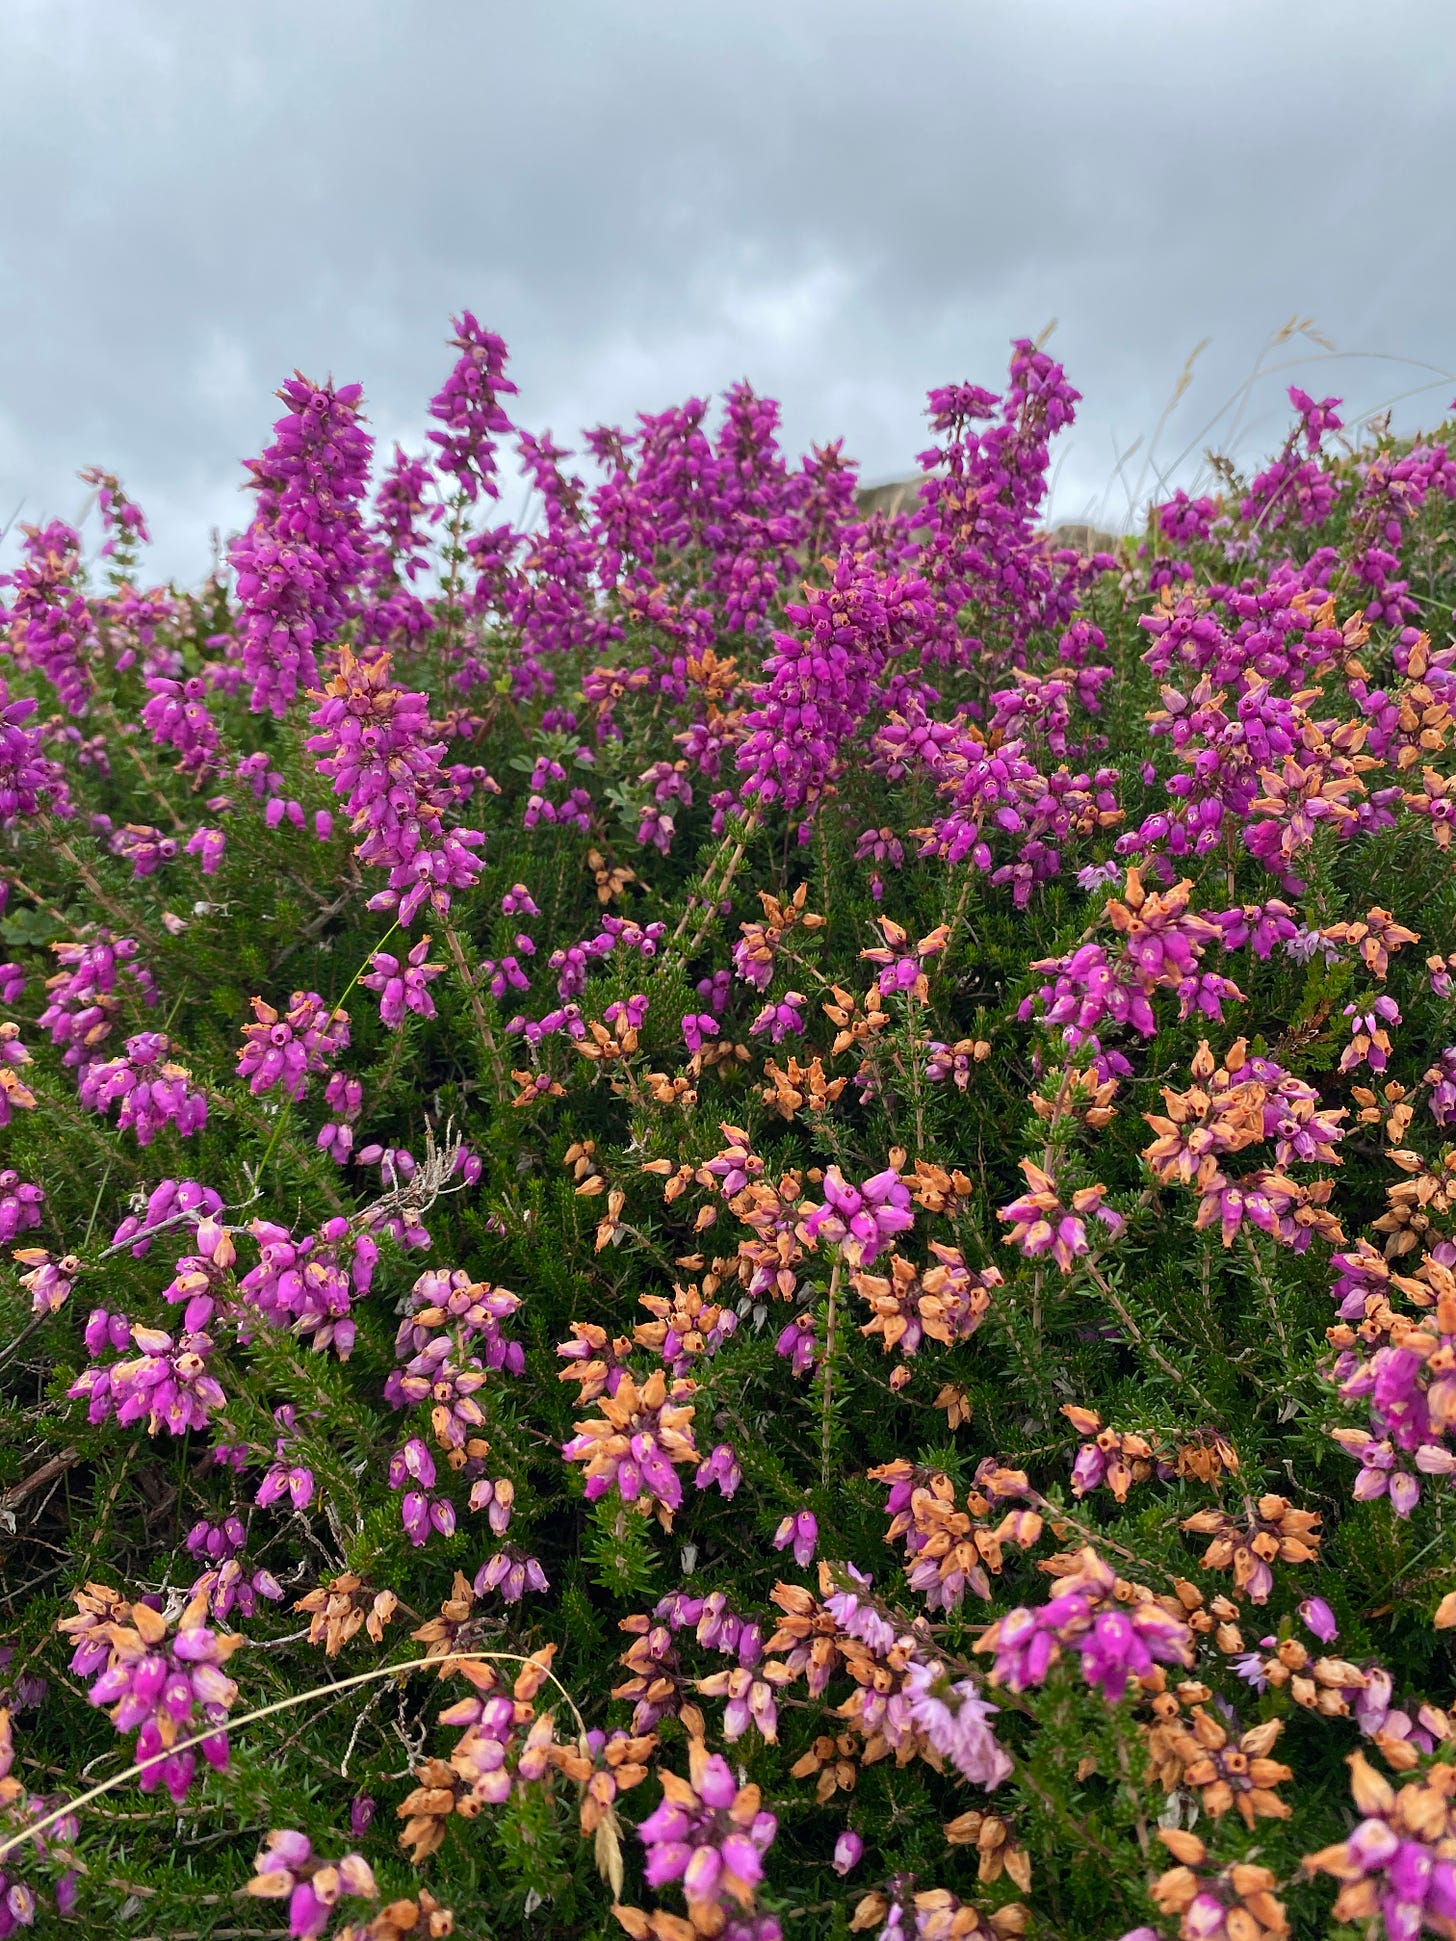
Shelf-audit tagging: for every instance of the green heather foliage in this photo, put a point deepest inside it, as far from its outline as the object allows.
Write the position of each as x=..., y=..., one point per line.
x=823, y=1138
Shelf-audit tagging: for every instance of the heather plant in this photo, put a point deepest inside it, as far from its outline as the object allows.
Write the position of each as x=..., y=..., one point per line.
x=728, y=1218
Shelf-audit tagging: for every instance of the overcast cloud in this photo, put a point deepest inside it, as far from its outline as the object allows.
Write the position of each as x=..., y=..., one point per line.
x=845, y=201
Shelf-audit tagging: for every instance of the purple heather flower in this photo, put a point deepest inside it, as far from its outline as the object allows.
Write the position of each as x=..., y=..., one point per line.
x=848, y=1851
x=374, y=746
x=288, y=1869
x=149, y=1676
x=721, y=1468
x=1318, y=1618
x=469, y=408
x=20, y=1205
x=512, y=1573
x=305, y=549
x=864, y=1219
x=802, y=1531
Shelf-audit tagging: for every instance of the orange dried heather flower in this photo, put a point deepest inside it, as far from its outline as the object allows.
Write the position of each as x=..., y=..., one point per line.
x=658, y=1687
x=789, y=1092
x=999, y=1853
x=1207, y=1457
x=666, y=1088
x=1376, y=939
x=1272, y=1528
x=685, y=1327
x=1437, y=802
x=1222, y=1113
x=426, y=1811
x=581, y=1158
x=1411, y=1202
x=1198, y=1754
x=831, y=1763
x=1238, y=1904
x=937, y=1915
x=595, y=1359
x=956, y=1403
x=420, y=1918
x=1073, y=1094
x=608, y=1047
x=454, y=1630
x=946, y=1301
x=934, y=1189
x=611, y=879
x=1110, y=1456
x=340, y=1609
x=856, y=1027
x=949, y=1551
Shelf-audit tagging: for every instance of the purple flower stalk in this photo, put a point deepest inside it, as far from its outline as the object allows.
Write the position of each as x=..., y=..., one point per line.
x=305, y=549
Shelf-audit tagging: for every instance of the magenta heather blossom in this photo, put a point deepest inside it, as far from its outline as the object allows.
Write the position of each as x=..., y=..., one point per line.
x=1116, y=1643
x=402, y=985
x=1041, y=1224
x=306, y=1286
x=207, y=845
x=819, y=690
x=29, y=781
x=954, y=1718
x=286, y=1048
x=802, y=1531
x=20, y=1205
x=224, y=1582
x=165, y=1384
x=863, y=1220
x=84, y=1002
x=51, y=627
x=778, y=1019
x=177, y=716
x=151, y=1089
x=288, y=1869
x=848, y=1852
x=720, y=1469
x=305, y=549
x=469, y=408
x=170, y=1686
x=512, y=1573
x=47, y=1281
x=708, y=1835
x=373, y=746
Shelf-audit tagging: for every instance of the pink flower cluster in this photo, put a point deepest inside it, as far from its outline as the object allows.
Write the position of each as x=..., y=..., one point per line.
x=1114, y=1642
x=374, y=747
x=298, y=561
x=286, y=1048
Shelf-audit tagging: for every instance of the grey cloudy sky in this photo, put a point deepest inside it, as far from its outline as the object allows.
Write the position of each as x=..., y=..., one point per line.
x=846, y=201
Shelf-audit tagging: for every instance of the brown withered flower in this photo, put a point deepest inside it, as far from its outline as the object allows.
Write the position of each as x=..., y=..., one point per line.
x=999, y=1853
x=611, y=879
x=1197, y=1753
x=1075, y=1094
x=832, y=1763
x=1238, y=1904
x=946, y=1301
x=855, y=1026
x=338, y=1610
x=1271, y=1528
x=935, y=1190
x=957, y=1405
x=454, y=1629
x=420, y=1918
x=800, y=1087
x=1376, y=939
